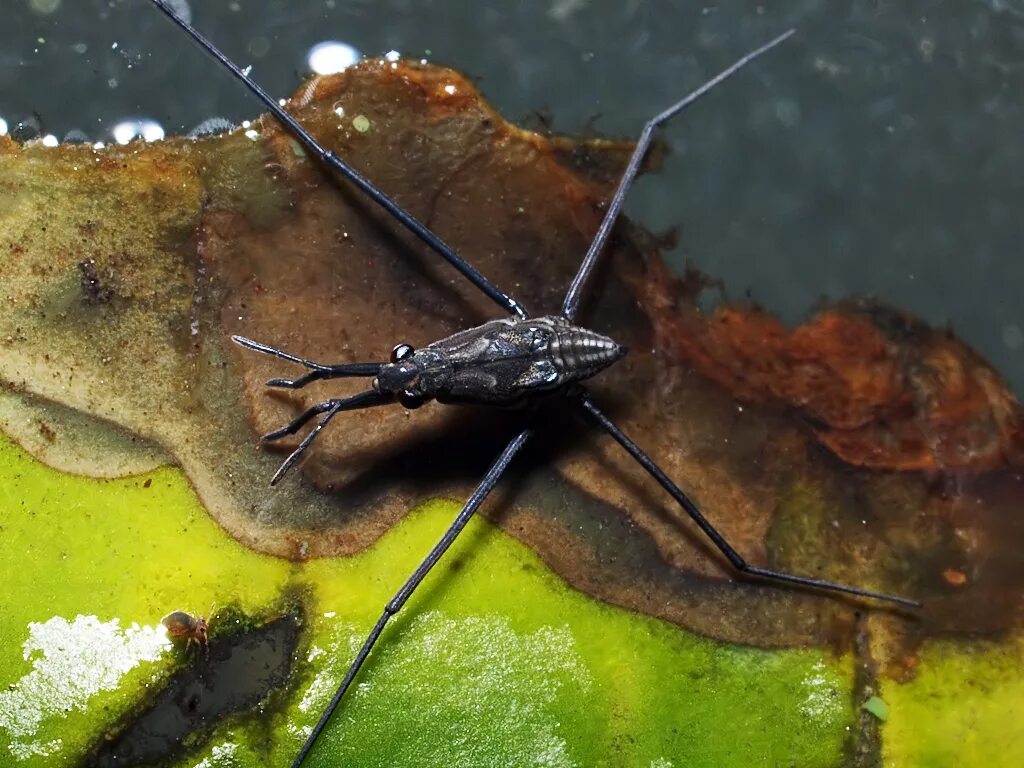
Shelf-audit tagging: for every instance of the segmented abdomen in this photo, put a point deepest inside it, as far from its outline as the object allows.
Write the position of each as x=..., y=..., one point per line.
x=578, y=353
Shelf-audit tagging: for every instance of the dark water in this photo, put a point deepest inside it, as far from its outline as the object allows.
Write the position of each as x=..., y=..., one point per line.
x=877, y=153
x=235, y=674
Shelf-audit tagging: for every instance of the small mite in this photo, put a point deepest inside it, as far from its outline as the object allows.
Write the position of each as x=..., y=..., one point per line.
x=181, y=625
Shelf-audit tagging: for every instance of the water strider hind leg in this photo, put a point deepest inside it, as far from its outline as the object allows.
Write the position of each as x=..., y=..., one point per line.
x=735, y=558
x=394, y=605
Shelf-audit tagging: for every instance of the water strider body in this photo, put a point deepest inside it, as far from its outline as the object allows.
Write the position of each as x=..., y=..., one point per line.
x=501, y=362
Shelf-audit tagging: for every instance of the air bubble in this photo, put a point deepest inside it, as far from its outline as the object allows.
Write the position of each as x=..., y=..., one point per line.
x=331, y=57
x=127, y=130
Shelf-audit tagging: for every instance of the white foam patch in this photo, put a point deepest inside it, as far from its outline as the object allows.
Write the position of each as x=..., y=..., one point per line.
x=340, y=652
x=824, y=700
x=71, y=661
x=221, y=756
x=24, y=750
x=496, y=684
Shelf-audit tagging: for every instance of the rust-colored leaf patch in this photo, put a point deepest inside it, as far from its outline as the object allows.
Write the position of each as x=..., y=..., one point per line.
x=880, y=388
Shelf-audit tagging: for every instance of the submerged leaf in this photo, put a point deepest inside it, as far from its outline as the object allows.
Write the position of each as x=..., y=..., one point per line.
x=125, y=271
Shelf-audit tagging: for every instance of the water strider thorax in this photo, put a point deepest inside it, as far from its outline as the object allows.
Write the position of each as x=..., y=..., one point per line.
x=498, y=363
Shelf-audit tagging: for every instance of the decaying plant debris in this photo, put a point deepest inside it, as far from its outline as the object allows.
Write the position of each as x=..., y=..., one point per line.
x=861, y=447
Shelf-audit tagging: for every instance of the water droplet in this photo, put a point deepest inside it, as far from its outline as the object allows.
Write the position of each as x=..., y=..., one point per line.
x=258, y=47
x=788, y=112
x=146, y=129
x=331, y=56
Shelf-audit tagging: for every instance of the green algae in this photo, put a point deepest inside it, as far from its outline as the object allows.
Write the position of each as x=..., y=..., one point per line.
x=107, y=558
x=631, y=690
x=495, y=662
x=964, y=708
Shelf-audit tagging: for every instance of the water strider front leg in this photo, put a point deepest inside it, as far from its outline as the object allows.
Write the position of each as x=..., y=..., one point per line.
x=330, y=408
x=317, y=370
x=395, y=604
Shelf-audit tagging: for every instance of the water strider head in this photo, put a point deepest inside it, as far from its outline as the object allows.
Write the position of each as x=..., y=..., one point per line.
x=501, y=362
x=409, y=374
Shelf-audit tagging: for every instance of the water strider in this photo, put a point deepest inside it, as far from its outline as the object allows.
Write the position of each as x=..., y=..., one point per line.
x=505, y=361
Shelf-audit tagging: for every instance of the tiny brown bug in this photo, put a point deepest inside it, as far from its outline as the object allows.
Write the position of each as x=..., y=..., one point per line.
x=184, y=625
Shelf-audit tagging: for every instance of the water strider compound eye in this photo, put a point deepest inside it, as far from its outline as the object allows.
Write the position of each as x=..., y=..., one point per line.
x=410, y=399
x=401, y=351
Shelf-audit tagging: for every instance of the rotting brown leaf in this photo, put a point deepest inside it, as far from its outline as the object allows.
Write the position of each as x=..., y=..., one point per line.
x=193, y=241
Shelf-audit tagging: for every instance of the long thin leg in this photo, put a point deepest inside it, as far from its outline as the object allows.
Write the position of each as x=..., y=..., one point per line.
x=734, y=557
x=317, y=370
x=365, y=399
x=572, y=298
x=395, y=604
x=338, y=165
